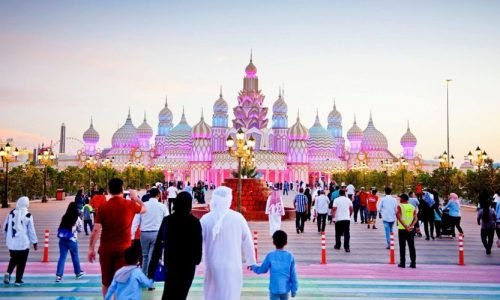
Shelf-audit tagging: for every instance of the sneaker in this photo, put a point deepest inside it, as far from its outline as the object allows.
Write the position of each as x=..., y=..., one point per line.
x=80, y=275
x=347, y=250
x=374, y=227
x=488, y=251
x=401, y=266
x=413, y=266
x=58, y=278
x=388, y=248
x=18, y=283
x=6, y=278
x=368, y=226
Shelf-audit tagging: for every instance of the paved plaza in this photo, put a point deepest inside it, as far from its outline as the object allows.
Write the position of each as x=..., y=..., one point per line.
x=362, y=273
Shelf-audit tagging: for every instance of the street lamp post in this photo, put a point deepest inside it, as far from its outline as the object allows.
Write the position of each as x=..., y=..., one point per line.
x=478, y=159
x=403, y=163
x=91, y=163
x=46, y=158
x=386, y=165
x=446, y=163
x=8, y=154
x=243, y=153
x=447, y=120
x=107, y=163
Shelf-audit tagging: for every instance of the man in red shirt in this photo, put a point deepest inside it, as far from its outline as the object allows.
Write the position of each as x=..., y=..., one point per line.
x=113, y=224
x=97, y=200
x=363, y=210
x=371, y=201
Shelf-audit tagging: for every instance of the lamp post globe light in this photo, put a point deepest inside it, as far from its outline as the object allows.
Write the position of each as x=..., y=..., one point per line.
x=243, y=153
x=8, y=154
x=479, y=159
x=91, y=163
x=46, y=158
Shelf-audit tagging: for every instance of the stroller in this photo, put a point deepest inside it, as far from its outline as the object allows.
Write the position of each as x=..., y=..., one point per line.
x=447, y=227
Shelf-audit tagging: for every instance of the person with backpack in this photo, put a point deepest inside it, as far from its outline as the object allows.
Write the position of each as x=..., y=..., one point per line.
x=427, y=214
x=87, y=213
x=19, y=231
x=67, y=233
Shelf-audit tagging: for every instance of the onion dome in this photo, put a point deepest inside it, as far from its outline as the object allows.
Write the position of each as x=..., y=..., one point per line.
x=165, y=115
x=251, y=70
x=279, y=106
x=355, y=133
x=202, y=130
x=180, y=135
x=334, y=116
x=91, y=136
x=319, y=138
x=408, y=139
x=298, y=132
x=220, y=105
x=372, y=138
x=125, y=136
x=144, y=131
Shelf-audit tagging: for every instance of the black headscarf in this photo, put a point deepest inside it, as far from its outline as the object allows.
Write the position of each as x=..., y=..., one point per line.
x=183, y=203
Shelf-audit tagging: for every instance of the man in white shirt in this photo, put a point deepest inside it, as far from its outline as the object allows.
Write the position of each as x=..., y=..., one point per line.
x=150, y=224
x=387, y=207
x=350, y=191
x=172, y=194
x=341, y=212
x=321, y=204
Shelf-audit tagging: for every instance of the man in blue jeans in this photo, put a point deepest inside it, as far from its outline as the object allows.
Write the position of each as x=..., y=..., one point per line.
x=387, y=212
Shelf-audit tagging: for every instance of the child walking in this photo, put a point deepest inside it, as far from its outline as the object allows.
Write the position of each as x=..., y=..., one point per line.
x=129, y=280
x=87, y=217
x=282, y=265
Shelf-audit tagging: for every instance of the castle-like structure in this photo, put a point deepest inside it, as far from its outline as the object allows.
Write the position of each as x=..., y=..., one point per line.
x=282, y=152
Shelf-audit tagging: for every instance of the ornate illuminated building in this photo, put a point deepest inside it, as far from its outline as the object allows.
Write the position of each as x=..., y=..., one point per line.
x=281, y=152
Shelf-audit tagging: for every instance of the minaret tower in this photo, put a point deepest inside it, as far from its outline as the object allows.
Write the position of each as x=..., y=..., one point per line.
x=219, y=124
x=165, y=124
x=408, y=142
x=335, y=129
x=201, y=154
x=62, y=140
x=250, y=113
x=280, y=124
x=297, y=157
x=90, y=138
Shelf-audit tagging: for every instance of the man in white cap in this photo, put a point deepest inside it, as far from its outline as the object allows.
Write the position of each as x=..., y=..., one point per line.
x=225, y=234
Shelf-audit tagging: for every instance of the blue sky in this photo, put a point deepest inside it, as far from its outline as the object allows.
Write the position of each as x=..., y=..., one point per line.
x=65, y=61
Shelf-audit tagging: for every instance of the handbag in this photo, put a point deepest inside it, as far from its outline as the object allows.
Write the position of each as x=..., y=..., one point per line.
x=64, y=233
x=161, y=271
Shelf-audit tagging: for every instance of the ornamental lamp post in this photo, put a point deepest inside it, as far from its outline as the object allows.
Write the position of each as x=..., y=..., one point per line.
x=8, y=154
x=46, y=158
x=91, y=163
x=243, y=153
x=386, y=165
x=446, y=163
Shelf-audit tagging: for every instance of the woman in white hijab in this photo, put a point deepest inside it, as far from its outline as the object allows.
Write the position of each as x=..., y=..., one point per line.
x=225, y=234
x=275, y=210
x=19, y=232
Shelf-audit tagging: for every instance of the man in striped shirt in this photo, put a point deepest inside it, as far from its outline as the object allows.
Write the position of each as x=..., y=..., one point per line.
x=300, y=204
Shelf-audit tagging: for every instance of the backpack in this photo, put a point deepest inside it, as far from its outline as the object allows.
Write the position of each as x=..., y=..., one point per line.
x=428, y=199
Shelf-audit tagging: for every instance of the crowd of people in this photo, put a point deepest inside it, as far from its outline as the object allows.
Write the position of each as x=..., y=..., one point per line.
x=138, y=236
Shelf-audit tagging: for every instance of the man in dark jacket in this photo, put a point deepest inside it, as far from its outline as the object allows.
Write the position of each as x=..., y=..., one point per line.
x=181, y=240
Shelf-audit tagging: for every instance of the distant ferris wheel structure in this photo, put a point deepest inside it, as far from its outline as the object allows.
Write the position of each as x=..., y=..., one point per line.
x=71, y=145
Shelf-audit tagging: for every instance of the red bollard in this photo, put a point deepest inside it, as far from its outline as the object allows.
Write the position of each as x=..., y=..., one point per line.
x=256, y=244
x=46, y=247
x=392, y=258
x=461, y=250
x=323, y=248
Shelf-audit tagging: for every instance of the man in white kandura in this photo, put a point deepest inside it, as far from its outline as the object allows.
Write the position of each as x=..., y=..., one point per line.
x=225, y=234
x=275, y=210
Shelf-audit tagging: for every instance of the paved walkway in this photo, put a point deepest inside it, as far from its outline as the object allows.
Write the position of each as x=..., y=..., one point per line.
x=346, y=281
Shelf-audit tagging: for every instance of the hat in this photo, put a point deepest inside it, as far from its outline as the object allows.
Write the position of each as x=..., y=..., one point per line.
x=343, y=184
x=404, y=196
x=362, y=187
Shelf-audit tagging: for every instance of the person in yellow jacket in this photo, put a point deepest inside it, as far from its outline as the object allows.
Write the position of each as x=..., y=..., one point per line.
x=407, y=217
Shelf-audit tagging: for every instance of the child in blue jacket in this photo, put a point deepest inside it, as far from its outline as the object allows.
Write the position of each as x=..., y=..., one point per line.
x=282, y=265
x=129, y=280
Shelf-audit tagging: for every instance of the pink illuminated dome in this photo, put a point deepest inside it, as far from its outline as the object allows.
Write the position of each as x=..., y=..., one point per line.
x=408, y=139
x=202, y=130
x=298, y=132
x=125, y=136
x=91, y=136
x=372, y=138
x=220, y=106
x=251, y=70
x=144, y=131
x=280, y=106
x=355, y=133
